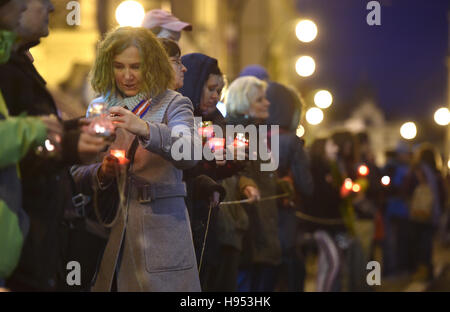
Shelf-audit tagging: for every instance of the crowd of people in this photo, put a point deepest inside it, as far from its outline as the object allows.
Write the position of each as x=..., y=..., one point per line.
x=106, y=190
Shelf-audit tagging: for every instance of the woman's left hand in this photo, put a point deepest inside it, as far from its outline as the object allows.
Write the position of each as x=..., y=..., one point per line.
x=125, y=119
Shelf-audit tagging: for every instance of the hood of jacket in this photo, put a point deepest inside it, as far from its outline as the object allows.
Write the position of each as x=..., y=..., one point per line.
x=256, y=71
x=198, y=68
x=285, y=107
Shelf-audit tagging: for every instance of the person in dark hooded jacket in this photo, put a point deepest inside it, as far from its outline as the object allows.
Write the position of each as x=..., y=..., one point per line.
x=285, y=111
x=203, y=84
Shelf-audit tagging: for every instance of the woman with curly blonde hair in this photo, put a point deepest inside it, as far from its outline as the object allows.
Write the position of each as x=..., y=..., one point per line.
x=150, y=245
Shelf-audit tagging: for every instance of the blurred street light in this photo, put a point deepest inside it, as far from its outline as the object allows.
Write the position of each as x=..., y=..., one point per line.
x=323, y=99
x=314, y=116
x=130, y=13
x=408, y=131
x=300, y=131
x=306, y=30
x=442, y=116
x=386, y=180
x=448, y=164
x=305, y=66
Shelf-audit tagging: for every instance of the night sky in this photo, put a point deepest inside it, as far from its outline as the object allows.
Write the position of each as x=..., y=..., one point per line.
x=402, y=61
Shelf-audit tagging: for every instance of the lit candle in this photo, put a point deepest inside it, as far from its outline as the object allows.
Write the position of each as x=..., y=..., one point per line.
x=363, y=170
x=348, y=184
x=216, y=144
x=356, y=188
x=120, y=155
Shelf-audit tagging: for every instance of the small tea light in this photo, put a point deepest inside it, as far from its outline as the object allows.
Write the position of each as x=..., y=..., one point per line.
x=216, y=143
x=120, y=155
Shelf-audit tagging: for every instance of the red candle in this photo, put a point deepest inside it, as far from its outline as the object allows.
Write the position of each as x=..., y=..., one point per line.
x=120, y=155
x=216, y=144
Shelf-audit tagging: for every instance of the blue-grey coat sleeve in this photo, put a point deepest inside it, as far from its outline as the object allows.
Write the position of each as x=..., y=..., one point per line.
x=178, y=134
x=86, y=178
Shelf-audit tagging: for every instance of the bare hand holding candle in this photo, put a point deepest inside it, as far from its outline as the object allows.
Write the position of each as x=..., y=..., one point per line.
x=125, y=119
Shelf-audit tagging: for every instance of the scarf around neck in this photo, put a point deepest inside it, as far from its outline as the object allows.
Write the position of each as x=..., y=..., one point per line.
x=138, y=104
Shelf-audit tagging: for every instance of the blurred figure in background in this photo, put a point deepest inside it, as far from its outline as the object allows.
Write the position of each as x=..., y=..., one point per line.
x=165, y=25
x=396, y=214
x=425, y=186
x=324, y=205
x=367, y=203
x=285, y=110
x=256, y=71
x=354, y=257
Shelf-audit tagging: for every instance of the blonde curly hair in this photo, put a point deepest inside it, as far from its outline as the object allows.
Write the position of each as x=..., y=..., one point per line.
x=156, y=70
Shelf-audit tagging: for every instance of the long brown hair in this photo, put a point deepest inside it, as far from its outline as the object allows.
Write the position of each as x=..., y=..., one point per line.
x=156, y=70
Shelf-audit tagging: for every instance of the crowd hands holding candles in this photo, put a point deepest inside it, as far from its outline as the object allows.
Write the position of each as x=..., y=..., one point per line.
x=106, y=190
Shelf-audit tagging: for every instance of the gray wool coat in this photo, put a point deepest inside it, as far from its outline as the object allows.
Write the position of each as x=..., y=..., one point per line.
x=150, y=246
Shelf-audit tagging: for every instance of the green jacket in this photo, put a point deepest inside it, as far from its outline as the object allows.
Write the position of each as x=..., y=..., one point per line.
x=17, y=136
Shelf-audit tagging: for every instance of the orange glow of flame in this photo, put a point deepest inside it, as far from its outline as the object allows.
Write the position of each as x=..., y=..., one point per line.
x=348, y=184
x=216, y=143
x=356, y=188
x=363, y=170
x=120, y=155
x=206, y=131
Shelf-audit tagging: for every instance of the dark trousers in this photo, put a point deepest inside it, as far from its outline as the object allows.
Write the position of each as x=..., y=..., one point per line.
x=291, y=273
x=222, y=275
x=421, y=242
x=258, y=278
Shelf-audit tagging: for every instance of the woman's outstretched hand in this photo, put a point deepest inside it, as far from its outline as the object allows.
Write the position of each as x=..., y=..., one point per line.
x=125, y=119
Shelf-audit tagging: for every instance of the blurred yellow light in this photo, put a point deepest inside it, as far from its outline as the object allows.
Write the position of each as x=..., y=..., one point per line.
x=385, y=180
x=300, y=131
x=306, y=30
x=130, y=13
x=442, y=116
x=314, y=116
x=305, y=66
x=348, y=184
x=356, y=188
x=408, y=131
x=323, y=99
x=363, y=170
x=448, y=164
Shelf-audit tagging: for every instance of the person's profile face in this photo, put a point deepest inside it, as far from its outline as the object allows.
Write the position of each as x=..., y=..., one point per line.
x=212, y=91
x=10, y=14
x=127, y=71
x=179, y=70
x=34, y=21
x=259, y=107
